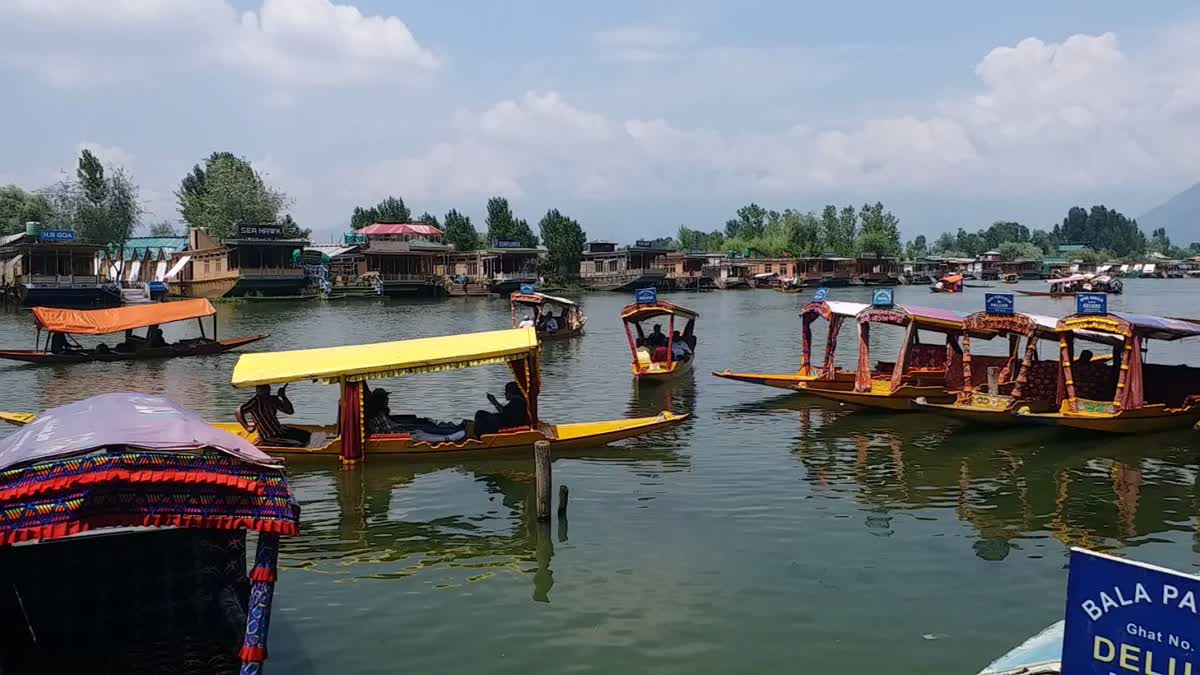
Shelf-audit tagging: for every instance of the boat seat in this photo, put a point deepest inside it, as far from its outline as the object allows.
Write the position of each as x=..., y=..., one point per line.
x=317, y=439
x=643, y=355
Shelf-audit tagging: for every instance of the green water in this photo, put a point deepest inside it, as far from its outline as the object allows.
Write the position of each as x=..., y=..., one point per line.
x=771, y=533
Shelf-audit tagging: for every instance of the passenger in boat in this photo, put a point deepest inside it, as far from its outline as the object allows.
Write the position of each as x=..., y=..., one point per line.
x=513, y=412
x=657, y=338
x=131, y=343
x=551, y=324
x=527, y=322
x=680, y=351
x=378, y=414
x=154, y=337
x=59, y=344
x=264, y=410
x=1085, y=356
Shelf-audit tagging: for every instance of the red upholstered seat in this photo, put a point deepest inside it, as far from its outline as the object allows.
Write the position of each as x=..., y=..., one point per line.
x=660, y=355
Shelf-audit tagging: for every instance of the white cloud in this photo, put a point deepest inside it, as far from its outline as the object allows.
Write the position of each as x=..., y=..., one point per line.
x=108, y=154
x=285, y=43
x=642, y=43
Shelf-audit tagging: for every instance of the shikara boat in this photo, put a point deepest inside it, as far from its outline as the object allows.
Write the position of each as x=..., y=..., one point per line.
x=1022, y=380
x=1126, y=395
x=833, y=311
x=61, y=325
x=123, y=536
x=570, y=318
x=922, y=369
x=1066, y=287
x=1039, y=655
x=657, y=362
x=951, y=283
x=1010, y=278
x=350, y=367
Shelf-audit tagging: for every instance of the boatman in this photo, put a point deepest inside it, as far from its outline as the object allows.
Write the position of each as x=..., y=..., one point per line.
x=264, y=409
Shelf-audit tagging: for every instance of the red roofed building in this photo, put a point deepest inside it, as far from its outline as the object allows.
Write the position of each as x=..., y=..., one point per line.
x=410, y=258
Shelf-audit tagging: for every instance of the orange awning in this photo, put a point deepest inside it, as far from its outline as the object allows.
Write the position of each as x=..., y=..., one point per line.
x=952, y=278
x=101, y=321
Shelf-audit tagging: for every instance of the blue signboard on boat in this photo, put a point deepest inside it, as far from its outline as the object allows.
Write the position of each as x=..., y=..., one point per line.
x=1124, y=615
x=883, y=297
x=1000, y=304
x=645, y=296
x=1091, y=303
x=57, y=235
x=526, y=289
x=819, y=296
x=157, y=286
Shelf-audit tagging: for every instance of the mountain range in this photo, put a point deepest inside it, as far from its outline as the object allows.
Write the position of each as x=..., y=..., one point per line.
x=1179, y=214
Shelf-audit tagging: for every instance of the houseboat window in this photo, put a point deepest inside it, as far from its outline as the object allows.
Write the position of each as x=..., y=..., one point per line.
x=206, y=268
x=768, y=267
x=612, y=265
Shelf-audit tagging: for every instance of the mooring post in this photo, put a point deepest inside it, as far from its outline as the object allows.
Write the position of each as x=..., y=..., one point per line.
x=993, y=374
x=563, y=493
x=541, y=461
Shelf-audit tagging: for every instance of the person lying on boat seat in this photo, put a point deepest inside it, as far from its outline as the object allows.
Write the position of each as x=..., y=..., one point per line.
x=263, y=411
x=680, y=351
x=513, y=413
x=380, y=421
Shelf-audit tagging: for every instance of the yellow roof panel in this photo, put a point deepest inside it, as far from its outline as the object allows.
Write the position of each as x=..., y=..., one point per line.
x=384, y=359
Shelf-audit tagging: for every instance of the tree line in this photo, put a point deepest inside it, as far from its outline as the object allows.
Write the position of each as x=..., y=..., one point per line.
x=844, y=232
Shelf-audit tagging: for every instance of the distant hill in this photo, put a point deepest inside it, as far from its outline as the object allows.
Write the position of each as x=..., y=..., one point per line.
x=1179, y=214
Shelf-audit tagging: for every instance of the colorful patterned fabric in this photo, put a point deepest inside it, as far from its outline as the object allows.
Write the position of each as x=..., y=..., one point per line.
x=55, y=499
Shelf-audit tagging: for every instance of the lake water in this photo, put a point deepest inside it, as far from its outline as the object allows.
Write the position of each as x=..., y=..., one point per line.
x=770, y=533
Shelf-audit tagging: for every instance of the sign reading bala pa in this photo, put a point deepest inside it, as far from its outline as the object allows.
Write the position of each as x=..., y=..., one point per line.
x=1129, y=617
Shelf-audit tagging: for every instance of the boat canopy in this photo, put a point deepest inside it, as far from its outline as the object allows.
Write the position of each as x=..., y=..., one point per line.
x=924, y=317
x=102, y=321
x=540, y=299
x=1129, y=324
x=831, y=308
x=1045, y=327
x=765, y=275
x=1071, y=279
x=635, y=313
x=952, y=278
x=386, y=359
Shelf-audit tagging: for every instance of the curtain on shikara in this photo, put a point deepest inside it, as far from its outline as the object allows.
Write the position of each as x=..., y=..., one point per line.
x=527, y=375
x=910, y=336
x=1130, y=396
x=806, y=342
x=350, y=422
x=1026, y=365
x=862, y=377
x=835, y=327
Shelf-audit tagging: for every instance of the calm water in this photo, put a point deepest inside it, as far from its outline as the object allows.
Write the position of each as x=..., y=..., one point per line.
x=772, y=533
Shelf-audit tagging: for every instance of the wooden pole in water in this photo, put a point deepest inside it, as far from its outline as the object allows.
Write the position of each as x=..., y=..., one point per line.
x=563, y=493
x=541, y=461
x=993, y=374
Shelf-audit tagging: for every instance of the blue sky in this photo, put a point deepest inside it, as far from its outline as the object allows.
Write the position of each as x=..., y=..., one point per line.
x=633, y=117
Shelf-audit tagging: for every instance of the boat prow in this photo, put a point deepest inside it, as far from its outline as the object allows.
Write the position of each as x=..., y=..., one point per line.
x=776, y=380
x=590, y=434
x=17, y=419
x=1039, y=655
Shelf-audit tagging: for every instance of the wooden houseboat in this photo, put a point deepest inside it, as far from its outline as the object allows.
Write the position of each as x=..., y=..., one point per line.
x=835, y=313
x=202, y=270
x=409, y=258
x=1022, y=268
x=1122, y=394
x=49, y=268
x=61, y=325
x=266, y=262
x=508, y=265
x=874, y=270
x=921, y=369
x=688, y=270
x=732, y=273
x=124, y=541
x=465, y=272
x=607, y=267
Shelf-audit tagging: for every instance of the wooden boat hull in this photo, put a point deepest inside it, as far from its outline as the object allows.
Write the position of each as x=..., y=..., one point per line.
x=201, y=349
x=843, y=379
x=880, y=396
x=564, y=334
x=934, y=289
x=730, y=282
x=1149, y=420
x=677, y=369
x=203, y=288
x=971, y=414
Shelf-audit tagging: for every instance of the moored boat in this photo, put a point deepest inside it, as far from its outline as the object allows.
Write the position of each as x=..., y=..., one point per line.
x=539, y=309
x=124, y=541
x=921, y=370
x=659, y=356
x=1127, y=395
x=833, y=311
x=61, y=325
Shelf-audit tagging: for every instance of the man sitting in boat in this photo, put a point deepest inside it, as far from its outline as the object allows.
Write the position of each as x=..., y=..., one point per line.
x=657, y=338
x=513, y=413
x=680, y=350
x=131, y=343
x=59, y=344
x=154, y=337
x=263, y=410
x=551, y=324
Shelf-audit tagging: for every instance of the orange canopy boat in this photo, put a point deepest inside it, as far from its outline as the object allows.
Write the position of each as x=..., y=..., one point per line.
x=61, y=325
x=951, y=283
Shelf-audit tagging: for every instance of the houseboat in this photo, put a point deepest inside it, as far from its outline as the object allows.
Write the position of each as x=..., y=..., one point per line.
x=409, y=258
x=49, y=268
x=465, y=272
x=342, y=269
x=689, y=270
x=266, y=262
x=732, y=273
x=141, y=268
x=990, y=265
x=202, y=269
x=874, y=270
x=508, y=265
x=607, y=267
x=1021, y=268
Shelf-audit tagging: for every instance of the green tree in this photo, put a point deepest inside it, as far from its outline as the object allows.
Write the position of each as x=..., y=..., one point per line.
x=390, y=210
x=18, y=207
x=945, y=243
x=847, y=233
x=802, y=233
x=564, y=240
x=916, y=248
x=291, y=230
x=879, y=232
x=459, y=231
x=429, y=219
x=101, y=204
x=1159, y=241
x=1019, y=250
x=163, y=228
x=502, y=226
x=225, y=193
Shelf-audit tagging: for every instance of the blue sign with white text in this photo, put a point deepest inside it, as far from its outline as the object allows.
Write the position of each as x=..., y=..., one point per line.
x=645, y=296
x=1000, y=304
x=1124, y=615
x=883, y=297
x=526, y=288
x=819, y=296
x=57, y=235
x=1091, y=303
x=157, y=286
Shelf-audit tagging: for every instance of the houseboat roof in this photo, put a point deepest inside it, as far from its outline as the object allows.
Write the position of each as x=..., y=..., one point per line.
x=400, y=228
x=385, y=359
x=104, y=321
x=523, y=250
x=136, y=247
x=1069, y=279
x=25, y=241
x=266, y=242
x=331, y=250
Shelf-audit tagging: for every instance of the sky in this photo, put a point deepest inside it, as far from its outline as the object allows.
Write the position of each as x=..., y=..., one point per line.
x=632, y=117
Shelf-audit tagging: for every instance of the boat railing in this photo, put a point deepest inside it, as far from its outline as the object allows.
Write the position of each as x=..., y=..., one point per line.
x=514, y=276
x=272, y=272
x=64, y=281
x=406, y=277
